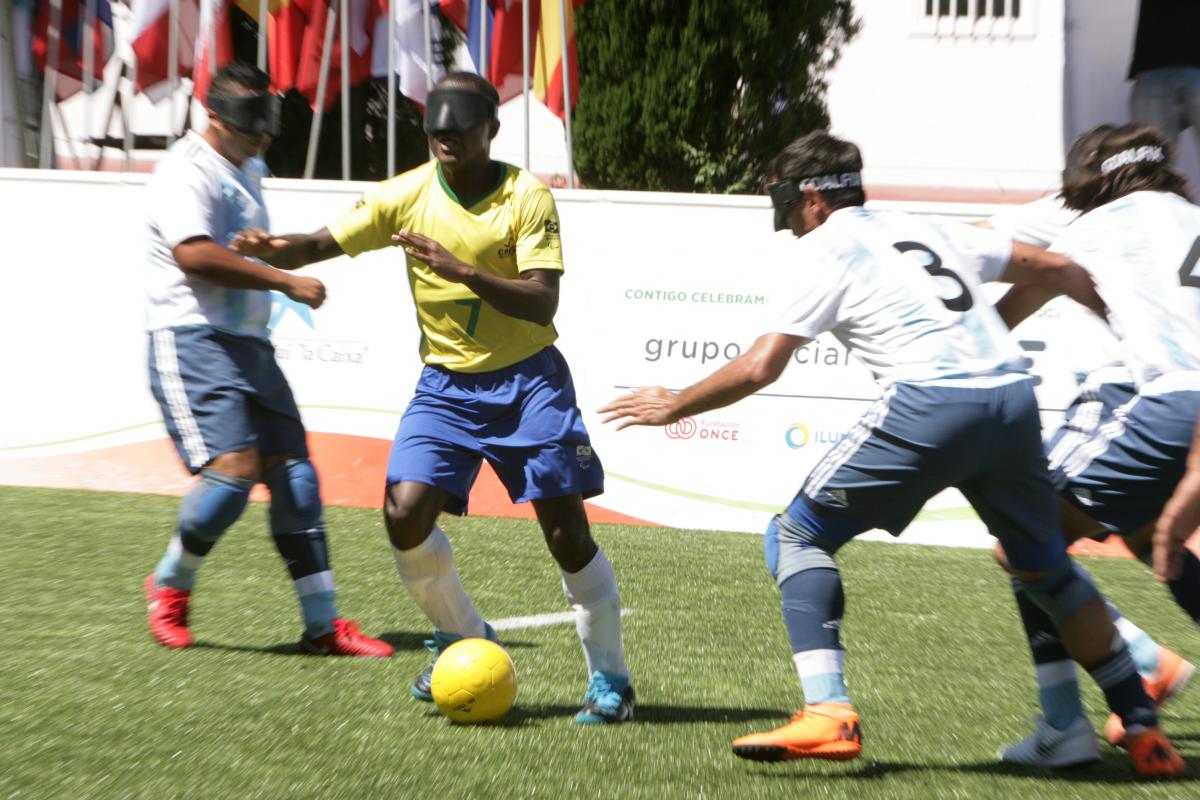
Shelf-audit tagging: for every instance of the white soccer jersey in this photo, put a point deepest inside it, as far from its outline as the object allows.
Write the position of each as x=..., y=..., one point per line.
x=1037, y=223
x=1142, y=250
x=903, y=294
x=195, y=192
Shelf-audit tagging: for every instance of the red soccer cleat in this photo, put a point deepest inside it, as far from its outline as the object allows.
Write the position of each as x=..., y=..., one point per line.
x=1168, y=680
x=345, y=640
x=168, y=613
x=1153, y=756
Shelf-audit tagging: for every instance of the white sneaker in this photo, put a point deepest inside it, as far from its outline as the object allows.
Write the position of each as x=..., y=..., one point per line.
x=1049, y=747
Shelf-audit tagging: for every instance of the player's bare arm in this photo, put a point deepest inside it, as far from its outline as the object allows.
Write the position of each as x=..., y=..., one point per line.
x=1179, y=519
x=1022, y=301
x=290, y=251
x=203, y=258
x=1054, y=272
x=758, y=367
x=533, y=297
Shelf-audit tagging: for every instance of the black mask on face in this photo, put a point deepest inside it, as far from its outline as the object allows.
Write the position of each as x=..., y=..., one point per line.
x=457, y=110
x=784, y=195
x=249, y=113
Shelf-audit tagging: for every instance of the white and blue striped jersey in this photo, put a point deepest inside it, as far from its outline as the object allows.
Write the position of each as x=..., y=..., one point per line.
x=194, y=192
x=1143, y=252
x=903, y=294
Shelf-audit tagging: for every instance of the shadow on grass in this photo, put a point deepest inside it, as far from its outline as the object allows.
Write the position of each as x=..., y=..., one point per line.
x=1114, y=768
x=524, y=714
x=401, y=640
x=408, y=640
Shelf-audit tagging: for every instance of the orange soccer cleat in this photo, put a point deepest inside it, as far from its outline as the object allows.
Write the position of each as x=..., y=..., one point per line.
x=345, y=640
x=830, y=731
x=167, y=613
x=1152, y=754
x=1168, y=680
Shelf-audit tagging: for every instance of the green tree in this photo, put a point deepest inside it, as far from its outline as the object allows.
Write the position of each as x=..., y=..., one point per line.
x=699, y=95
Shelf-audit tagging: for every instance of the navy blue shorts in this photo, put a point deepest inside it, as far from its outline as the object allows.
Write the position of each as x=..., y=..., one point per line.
x=220, y=393
x=1122, y=470
x=919, y=439
x=523, y=419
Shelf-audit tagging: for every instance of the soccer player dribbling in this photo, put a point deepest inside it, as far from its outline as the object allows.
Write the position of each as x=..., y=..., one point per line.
x=483, y=255
x=904, y=295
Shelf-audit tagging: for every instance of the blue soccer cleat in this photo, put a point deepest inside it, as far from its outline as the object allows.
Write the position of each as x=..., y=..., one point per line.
x=609, y=698
x=421, y=688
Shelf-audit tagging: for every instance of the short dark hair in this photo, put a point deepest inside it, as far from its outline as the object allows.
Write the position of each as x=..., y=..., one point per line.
x=235, y=75
x=819, y=153
x=1087, y=183
x=472, y=83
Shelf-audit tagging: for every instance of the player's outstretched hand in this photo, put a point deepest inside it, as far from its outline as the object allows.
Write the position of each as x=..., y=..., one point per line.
x=650, y=405
x=304, y=289
x=257, y=243
x=433, y=255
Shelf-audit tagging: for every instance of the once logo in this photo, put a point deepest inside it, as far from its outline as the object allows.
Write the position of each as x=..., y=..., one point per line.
x=683, y=429
x=796, y=436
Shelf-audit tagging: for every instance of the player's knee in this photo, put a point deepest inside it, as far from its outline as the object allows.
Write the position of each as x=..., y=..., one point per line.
x=789, y=548
x=213, y=504
x=295, y=495
x=1062, y=592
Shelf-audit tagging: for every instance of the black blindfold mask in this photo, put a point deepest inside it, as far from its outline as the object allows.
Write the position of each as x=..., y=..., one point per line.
x=457, y=110
x=249, y=113
x=784, y=195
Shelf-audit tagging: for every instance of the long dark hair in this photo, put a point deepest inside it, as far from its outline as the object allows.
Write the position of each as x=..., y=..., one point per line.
x=1109, y=162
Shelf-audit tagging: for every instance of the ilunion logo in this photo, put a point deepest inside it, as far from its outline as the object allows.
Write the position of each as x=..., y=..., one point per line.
x=796, y=436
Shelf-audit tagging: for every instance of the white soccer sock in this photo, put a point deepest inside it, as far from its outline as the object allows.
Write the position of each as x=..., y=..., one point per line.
x=429, y=575
x=593, y=593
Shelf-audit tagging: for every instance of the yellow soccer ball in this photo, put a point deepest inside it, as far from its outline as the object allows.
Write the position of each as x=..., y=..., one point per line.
x=474, y=680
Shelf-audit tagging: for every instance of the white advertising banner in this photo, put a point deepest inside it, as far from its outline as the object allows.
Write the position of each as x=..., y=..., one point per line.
x=659, y=289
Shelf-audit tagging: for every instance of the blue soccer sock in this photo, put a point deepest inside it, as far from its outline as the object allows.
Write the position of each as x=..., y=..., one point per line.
x=813, y=604
x=214, y=503
x=1057, y=677
x=307, y=557
x=1123, y=690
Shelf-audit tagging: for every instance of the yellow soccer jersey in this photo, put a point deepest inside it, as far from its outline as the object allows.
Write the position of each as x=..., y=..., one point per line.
x=511, y=229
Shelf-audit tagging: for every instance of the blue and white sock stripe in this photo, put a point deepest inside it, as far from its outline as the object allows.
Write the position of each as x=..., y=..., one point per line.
x=1117, y=669
x=315, y=583
x=1056, y=673
x=842, y=452
x=166, y=363
x=819, y=662
x=188, y=560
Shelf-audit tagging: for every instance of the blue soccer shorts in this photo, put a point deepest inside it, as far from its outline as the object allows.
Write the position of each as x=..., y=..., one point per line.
x=221, y=393
x=1122, y=470
x=522, y=419
x=919, y=439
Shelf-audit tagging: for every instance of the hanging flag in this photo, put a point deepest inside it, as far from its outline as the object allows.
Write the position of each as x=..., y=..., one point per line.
x=212, y=32
x=362, y=15
x=548, y=56
x=285, y=35
x=71, y=42
x=506, y=61
x=150, y=28
x=412, y=68
x=465, y=16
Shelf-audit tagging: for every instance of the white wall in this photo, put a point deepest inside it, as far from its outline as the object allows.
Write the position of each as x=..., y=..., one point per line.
x=952, y=111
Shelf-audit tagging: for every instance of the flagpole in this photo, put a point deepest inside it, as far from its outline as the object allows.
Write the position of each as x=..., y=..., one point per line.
x=263, y=13
x=483, y=40
x=127, y=106
x=172, y=67
x=525, y=72
x=53, y=51
x=89, y=70
x=345, y=68
x=212, y=47
x=391, y=85
x=428, y=57
x=314, y=134
x=566, y=79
